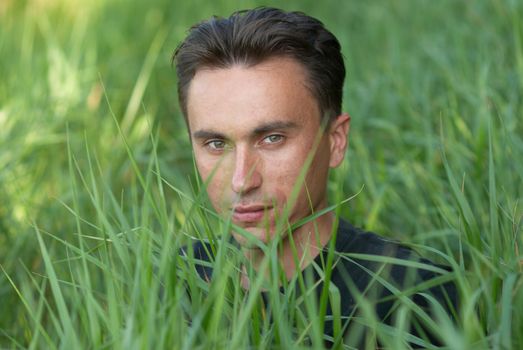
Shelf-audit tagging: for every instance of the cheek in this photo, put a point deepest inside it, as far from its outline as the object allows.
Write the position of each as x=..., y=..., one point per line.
x=317, y=176
x=286, y=174
x=319, y=169
x=281, y=178
x=214, y=179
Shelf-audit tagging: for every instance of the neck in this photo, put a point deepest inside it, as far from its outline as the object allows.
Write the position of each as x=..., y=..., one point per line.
x=301, y=249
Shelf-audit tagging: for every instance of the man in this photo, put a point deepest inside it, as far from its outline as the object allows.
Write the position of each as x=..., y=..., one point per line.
x=261, y=92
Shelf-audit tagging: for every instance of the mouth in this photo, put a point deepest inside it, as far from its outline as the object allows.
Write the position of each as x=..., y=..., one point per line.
x=250, y=213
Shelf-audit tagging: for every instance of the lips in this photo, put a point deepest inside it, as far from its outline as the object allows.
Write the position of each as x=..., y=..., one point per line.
x=249, y=213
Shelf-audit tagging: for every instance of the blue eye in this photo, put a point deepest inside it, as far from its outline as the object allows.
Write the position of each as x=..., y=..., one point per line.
x=271, y=139
x=216, y=145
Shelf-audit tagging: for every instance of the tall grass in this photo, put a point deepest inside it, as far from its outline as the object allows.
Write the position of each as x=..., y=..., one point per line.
x=98, y=193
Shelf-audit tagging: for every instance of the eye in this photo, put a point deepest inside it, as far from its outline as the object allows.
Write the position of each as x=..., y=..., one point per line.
x=216, y=145
x=273, y=139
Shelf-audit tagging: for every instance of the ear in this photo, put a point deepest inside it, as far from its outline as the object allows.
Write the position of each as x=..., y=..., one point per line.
x=338, y=132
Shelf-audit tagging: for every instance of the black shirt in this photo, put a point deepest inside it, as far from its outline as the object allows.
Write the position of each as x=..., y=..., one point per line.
x=380, y=270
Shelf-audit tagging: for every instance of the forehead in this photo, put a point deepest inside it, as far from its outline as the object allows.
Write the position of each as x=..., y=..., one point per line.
x=242, y=97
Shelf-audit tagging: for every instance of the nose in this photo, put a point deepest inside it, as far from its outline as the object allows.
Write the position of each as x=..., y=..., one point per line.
x=246, y=176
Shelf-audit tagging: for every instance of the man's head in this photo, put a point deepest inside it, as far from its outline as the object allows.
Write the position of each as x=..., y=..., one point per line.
x=249, y=37
x=256, y=90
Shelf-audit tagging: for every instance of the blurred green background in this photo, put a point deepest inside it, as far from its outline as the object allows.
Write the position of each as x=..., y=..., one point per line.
x=434, y=89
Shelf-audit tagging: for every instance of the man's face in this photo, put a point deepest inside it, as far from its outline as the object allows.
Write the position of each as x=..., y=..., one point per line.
x=252, y=130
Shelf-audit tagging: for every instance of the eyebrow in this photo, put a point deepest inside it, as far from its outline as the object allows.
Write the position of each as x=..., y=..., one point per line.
x=278, y=125
x=207, y=134
x=259, y=130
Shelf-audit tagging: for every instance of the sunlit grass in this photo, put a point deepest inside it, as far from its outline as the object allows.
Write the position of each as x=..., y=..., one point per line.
x=98, y=194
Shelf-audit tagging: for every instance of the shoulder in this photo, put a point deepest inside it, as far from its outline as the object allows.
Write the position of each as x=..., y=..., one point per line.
x=367, y=248
x=392, y=267
x=354, y=240
x=388, y=274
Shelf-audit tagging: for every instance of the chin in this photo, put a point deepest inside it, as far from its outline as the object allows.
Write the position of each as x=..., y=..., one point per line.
x=261, y=235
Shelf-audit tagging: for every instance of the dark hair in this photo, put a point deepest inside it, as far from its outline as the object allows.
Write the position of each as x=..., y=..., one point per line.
x=251, y=36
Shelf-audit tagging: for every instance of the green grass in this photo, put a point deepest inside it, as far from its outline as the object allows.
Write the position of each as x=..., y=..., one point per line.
x=97, y=185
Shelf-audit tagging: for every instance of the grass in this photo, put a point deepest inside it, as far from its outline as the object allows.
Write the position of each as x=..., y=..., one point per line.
x=98, y=191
